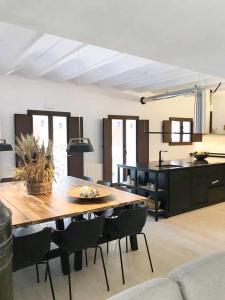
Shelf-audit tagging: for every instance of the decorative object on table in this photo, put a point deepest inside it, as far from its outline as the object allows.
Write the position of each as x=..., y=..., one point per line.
x=5, y=146
x=36, y=165
x=200, y=155
x=89, y=192
x=151, y=203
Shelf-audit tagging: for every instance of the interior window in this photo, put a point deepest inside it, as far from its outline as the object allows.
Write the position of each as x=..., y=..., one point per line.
x=59, y=145
x=53, y=127
x=124, y=143
x=117, y=146
x=181, y=131
x=41, y=128
x=131, y=135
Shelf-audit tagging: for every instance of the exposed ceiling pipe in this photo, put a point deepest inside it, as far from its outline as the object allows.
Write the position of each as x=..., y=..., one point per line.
x=145, y=100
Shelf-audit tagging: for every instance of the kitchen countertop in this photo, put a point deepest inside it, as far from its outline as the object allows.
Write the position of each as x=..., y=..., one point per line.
x=175, y=164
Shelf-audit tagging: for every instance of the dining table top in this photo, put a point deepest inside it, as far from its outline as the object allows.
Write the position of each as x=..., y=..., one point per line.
x=30, y=209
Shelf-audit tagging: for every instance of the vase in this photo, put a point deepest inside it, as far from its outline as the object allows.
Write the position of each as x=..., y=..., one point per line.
x=39, y=188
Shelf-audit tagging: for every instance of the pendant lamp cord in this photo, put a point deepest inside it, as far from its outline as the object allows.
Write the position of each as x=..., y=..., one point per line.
x=78, y=68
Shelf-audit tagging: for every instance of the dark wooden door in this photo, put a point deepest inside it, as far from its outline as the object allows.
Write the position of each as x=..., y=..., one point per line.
x=23, y=125
x=75, y=161
x=142, y=142
x=107, y=149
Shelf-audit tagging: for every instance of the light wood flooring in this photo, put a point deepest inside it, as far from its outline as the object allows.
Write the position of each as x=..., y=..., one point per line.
x=172, y=242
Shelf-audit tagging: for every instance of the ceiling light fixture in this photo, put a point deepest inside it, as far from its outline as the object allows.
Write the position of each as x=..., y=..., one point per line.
x=4, y=146
x=169, y=95
x=80, y=144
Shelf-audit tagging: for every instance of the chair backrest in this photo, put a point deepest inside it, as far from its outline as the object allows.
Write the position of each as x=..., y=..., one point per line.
x=88, y=178
x=31, y=249
x=80, y=234
x=129, y=222
x=106, y=183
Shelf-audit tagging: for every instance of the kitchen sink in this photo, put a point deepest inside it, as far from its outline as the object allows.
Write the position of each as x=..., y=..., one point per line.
x=168, y=166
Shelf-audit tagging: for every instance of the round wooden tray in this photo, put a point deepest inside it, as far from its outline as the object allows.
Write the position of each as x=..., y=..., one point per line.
x=103, y=192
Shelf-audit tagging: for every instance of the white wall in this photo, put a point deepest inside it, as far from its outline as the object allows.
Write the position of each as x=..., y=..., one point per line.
x=219, y=112
x=18, y=94
x=212, y=143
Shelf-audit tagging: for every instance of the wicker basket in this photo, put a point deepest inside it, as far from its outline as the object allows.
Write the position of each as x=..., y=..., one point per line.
x=39, y=188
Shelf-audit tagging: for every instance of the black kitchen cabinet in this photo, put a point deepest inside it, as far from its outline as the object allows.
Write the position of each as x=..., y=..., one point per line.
x=216, y=184
x=199, y=186
x=196, y=187
x=179, y=185
x=179, y=190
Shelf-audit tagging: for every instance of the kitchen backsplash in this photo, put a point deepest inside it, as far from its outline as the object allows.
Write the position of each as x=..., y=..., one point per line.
x=212, y=143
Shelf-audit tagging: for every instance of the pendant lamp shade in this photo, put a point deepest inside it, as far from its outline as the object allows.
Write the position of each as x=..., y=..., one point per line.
x=4, y=146
x=79, y=145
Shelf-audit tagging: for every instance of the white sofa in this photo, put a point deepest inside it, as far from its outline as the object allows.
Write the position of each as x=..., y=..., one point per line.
x=203, y=279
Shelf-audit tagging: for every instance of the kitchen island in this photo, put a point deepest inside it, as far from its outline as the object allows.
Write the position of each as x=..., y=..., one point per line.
x=177, y=186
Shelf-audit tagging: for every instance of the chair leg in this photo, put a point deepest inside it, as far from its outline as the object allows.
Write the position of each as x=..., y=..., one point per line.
x=37, y=273
x=126, y=245
x=107, y=247
x=103, y=263
x=121, y=262
x=86, y=259
x=69, y=280
x=149, y=257
x=95, y=255
x=46, y=273
x=50, y=279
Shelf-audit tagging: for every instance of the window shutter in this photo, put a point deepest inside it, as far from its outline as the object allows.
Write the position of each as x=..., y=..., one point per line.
x=197, y=137
x=107, y=149
x=166, y=131
x=23, y=125
x=75, y=161
x=142, y=141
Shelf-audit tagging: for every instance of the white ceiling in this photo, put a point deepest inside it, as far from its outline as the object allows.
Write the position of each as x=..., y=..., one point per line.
x=31, y=54
x=187, y=33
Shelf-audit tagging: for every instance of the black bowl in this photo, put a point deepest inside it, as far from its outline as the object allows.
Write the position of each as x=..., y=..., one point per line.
x=200, y=156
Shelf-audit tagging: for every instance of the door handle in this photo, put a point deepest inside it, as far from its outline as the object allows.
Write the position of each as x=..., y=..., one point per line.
x=215, y=182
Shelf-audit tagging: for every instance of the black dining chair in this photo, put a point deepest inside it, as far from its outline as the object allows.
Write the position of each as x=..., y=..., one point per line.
x=104, y=182
x=87, y=178
x=129, y=222
x=80, y=235
x=112, y=212
x=32, y=250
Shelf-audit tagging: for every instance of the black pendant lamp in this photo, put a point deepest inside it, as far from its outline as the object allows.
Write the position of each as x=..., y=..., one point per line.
x=4, y=146
x=80, y=144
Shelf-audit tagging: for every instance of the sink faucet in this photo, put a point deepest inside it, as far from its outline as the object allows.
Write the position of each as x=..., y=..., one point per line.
x=160, y=157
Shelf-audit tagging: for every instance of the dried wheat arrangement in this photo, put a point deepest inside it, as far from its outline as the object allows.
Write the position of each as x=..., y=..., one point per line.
x=36, y=164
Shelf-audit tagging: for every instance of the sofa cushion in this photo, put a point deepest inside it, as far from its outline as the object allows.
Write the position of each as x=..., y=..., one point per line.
x=155, y=289
x=203, y=278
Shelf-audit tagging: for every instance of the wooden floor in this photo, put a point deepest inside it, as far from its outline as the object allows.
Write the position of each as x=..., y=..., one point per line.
x=172, y=242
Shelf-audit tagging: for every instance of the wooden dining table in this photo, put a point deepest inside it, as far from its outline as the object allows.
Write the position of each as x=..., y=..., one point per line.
x=35, y=209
